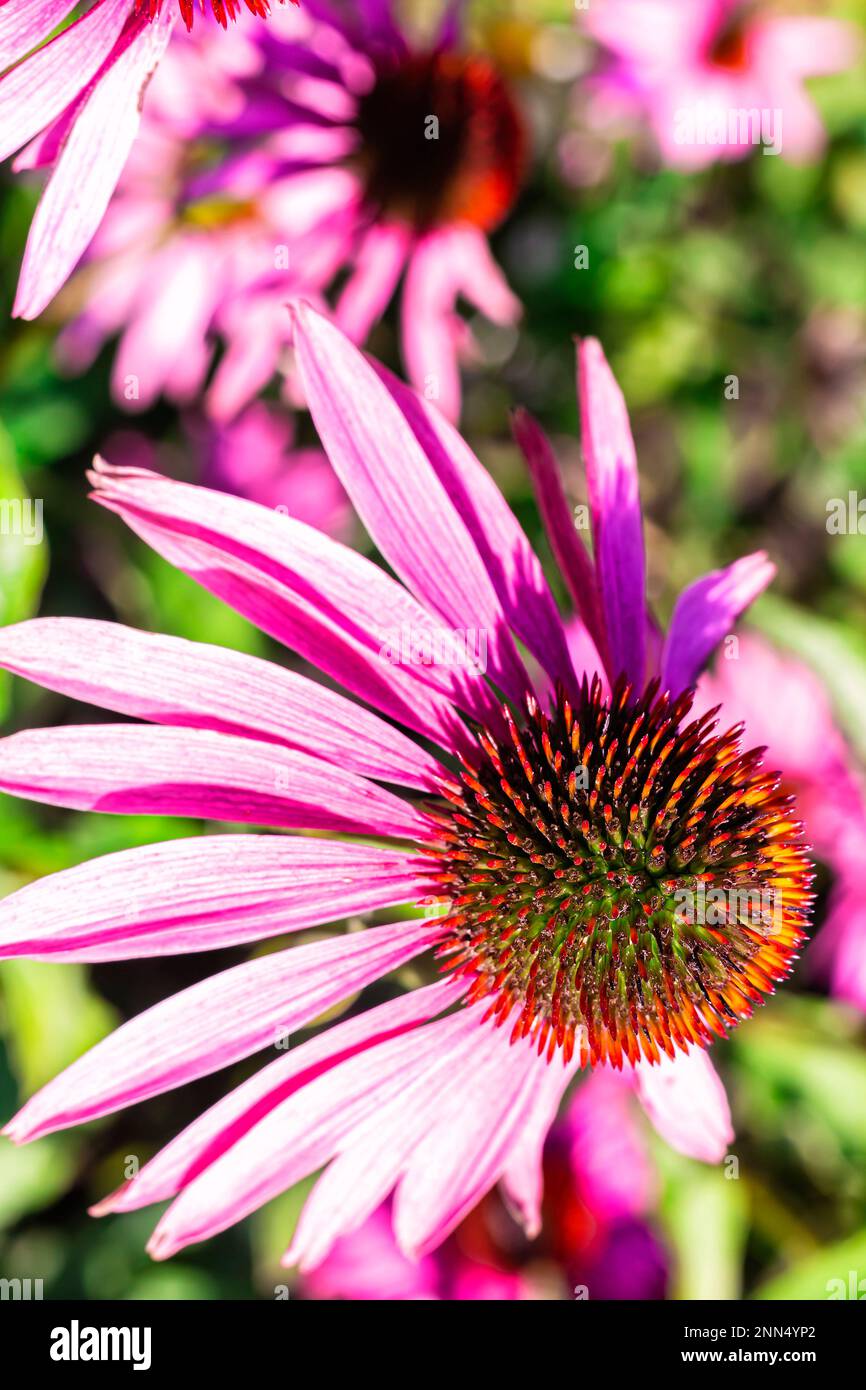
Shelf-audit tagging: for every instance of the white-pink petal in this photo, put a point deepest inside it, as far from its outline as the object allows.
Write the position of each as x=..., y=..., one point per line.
x=88, y=168
x=686, y=1102
x=217, y=1022
x=169, y=680
x=201, y=894
x=215, y=1131
x=137, y=769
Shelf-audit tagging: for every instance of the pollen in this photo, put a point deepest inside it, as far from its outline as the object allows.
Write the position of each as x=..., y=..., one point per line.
x=620, y=879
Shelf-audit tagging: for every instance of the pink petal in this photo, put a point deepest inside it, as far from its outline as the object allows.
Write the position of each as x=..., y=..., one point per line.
x=523, y=1175
x=686, y=1102
x=468, y=1147
x=397, y=494
x=216, y=1022
x=571, y=554
x=88, y=168
x=608, y=1149
x=200, y=894
x=134, y=769
x=166, y=342
x=373, y=1150
x=35, y=92
x=444, y=265
x=21, y=31
x=320, y=598
x=300, y=1135
x=215, y=1131
x=807, y=45
x=614, y=500
x=172, y=681
x=705, y=612
x=506, y=553
x=366, y=295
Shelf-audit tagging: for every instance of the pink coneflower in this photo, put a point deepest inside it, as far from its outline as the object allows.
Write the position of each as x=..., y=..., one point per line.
x=338, y=149
x=718, y=77
x=550, y=842
x=74, y=101
x=805, y=743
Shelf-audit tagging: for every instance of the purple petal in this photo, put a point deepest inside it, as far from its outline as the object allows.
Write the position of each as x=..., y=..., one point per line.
x=396, y=492
x=705, y=612
x=614, y=500
x=571, y=554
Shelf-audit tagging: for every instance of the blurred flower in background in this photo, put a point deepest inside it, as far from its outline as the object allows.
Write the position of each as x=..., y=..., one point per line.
x=717, y=77
x=322, y=143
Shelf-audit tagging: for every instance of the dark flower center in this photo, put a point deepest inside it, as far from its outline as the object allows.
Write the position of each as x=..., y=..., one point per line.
x=632, y=882
x=441, y=141
x=730, y=47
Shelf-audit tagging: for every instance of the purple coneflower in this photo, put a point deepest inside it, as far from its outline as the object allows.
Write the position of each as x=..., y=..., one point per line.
x=714, y=78
x=550, y=839
x=319, y=145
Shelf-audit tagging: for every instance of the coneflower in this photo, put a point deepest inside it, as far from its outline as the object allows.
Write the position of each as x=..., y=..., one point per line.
x=341, y=154
x=562, y=845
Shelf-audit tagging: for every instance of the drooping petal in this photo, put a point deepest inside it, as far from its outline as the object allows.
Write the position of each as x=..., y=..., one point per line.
x=215, y=1131
x=705, y=612
x=304, y=1131
x=571, y=554
x=614, y=500
x=367, y=292
x=169, y=680
x=135, y=769
x=88, y=168
x=396, y=492
x=460, y=1159
x=687, y=1104
x=375, y=1149
x=523, y=1176
x=217, y=1022
x=200, y=894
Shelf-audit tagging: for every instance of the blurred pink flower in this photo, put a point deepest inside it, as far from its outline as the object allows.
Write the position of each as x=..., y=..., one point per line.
x=702, y=69
x=784, y=706
x=539, y=843
x=72, y=103
x=255, y=456
x=318, y=144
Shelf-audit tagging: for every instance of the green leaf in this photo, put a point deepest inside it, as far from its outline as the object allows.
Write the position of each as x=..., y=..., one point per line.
x=833, y=1272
